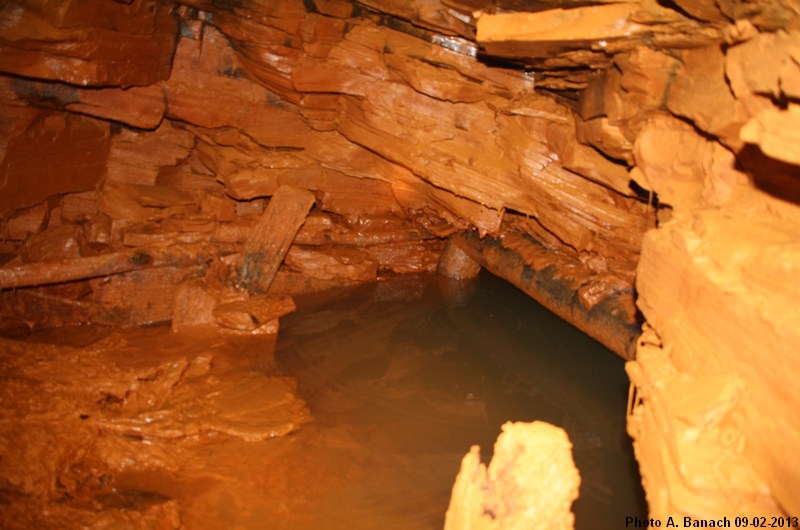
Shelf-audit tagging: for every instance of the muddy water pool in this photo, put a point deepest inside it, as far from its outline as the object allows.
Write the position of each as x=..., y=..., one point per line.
x=356, y=417
x=407, y=375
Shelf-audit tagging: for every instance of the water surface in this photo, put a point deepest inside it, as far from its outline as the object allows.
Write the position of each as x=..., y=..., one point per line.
x=403, y=377
x=400, y=378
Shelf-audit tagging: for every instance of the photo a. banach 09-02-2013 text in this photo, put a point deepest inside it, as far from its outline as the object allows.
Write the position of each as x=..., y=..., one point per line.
x=723, y=522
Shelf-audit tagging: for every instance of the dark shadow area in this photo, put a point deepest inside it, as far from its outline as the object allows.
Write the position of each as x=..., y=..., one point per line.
x=779, y=179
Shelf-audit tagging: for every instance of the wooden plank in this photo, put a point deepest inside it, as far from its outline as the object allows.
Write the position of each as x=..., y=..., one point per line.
x=267, y=246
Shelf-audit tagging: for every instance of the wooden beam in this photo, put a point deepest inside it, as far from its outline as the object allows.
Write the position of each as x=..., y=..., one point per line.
x=268, y=244
x=44, y=273
x=608, y=321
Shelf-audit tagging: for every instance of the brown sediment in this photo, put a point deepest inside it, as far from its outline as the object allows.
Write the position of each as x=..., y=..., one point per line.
x=149, y=427
x=80, y=424
x=647, y=148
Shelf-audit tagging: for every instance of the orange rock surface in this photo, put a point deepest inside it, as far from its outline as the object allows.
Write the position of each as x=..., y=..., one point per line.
x=90, y=424
x=642, y=152
x=530, y=483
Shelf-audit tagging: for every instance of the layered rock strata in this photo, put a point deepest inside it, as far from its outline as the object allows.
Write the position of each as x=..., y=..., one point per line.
x=604, y=147
x=397, y=129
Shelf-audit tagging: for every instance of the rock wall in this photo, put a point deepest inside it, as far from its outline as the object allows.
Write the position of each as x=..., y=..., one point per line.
x=403, y=135
x=592, y=148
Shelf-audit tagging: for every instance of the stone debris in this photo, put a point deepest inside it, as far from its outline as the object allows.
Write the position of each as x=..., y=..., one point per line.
x=77, y=420
x=530, y=483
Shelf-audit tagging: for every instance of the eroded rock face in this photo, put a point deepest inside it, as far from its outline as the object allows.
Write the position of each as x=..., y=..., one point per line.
x=530, y=483
x=58, y=153
x=121, y=44
x=141, y=142
x=373, y=116
x=79, y=422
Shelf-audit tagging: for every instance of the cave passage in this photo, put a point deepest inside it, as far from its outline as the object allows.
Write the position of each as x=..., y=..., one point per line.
x=402, y=377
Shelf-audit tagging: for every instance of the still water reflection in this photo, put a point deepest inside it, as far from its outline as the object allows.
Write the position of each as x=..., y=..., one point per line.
x=402, y=377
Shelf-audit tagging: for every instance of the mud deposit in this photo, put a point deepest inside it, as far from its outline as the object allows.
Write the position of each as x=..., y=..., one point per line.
x=356, y=419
